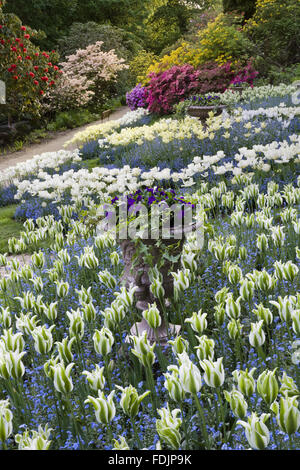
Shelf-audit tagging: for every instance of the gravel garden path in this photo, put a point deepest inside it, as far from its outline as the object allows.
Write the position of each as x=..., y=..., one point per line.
x=52, y=145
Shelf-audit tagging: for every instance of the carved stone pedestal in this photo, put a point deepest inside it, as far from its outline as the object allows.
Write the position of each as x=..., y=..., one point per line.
x=136, y=273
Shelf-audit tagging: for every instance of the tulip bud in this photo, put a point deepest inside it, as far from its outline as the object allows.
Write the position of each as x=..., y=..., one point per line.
x=38, y=260
x=121, y=444
x=88, y=259
x=189, y=375
x=6, y=418
x=179, y=345
x=249, y=220
x=103, y=341
x=62, y=378
x=205, y=349
x=26, y=273
x=37, y=283
x=233, y=307
x=247, y=290
x=107, y=279
x=222, y=295
x=245, y=381
x=267, y=386
x=143, y=351
x=296, y=225
x=152, y=316
x=214, y=374
x=198, y=321
x=287, y=414
x=12, y=342
x=51, y=311
x=126, y=296
x=188, y=261
x=265, y=282
x=257, y=336
x=296, y=321
x=5, y=317
x=173, y=385
x=181, y=281
x=278, y=235
x=48, y=367
x=39, y=440
x=168, y=426
x=105, y=409
x=64, y=256
x=11, y=364
x=52, y=275
x=114, y=258
x=3, y=260
x=243, y=253
x=290, y=271
x=234, y=274
x=130, y=400
x=64, y=349
x=157, y=289
x=88, y=312
x=58, y=266
x=62, y=288
x=285, y=307
x=234, y=328
x=27, y=301
x=237, y=403
x=109, y=319
x=279, y=270
x=84, y=295
x=288, y=386
x=256, y=431
x=263, y=313
x=219, y=314
x=95, y=378
x=262, y=242
x=76, y=327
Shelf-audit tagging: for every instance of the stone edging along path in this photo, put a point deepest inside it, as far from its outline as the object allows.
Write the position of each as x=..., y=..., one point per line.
x=53, y=145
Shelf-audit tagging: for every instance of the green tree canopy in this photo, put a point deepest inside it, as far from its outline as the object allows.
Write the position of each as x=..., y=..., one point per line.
x=56, y=16
x=240, y=6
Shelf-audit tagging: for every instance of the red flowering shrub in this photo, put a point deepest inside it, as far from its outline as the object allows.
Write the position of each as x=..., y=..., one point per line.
x=214, y=78
x=246, y=75
x=171, y=86
x=27, y=72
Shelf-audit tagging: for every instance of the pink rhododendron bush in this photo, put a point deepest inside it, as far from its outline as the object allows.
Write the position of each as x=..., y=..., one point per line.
x=171, y=86
x=87, y=77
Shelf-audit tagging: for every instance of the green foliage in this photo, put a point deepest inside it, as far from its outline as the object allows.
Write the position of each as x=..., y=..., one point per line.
x=51, y=16
x=167, y=24
x=72, y=119
x=56, y=16
x=81, y=35
x=247, y=7
x=277, y=75
x=140, y=64
x=274, y=29
x=8, y=226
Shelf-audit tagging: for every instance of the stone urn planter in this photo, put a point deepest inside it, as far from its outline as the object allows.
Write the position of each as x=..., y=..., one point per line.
x=202, y=112
x=161, y=251
x=136, y=273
